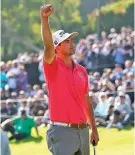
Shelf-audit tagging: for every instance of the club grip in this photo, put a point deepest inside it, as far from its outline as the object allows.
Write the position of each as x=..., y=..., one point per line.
x=93, y=143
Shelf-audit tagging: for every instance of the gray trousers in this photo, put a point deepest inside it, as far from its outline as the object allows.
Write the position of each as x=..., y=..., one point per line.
x=68, y=141
x=5, y=150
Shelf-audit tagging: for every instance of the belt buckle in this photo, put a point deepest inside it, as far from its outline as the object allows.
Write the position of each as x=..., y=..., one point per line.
x=69, y=124
x=78, y=125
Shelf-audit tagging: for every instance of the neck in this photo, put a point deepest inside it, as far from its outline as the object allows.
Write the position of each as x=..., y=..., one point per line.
x=66, y=59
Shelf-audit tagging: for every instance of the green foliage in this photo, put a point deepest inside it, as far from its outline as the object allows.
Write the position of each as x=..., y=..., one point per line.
x=21, y=23
x=20, y=27
x=117, y=7
x=113, y=15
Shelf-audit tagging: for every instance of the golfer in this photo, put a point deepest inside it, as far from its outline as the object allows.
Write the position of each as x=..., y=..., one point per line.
x=69, y=104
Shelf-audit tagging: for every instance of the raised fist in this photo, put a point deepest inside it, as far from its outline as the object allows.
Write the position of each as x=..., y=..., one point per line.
x=46, y=10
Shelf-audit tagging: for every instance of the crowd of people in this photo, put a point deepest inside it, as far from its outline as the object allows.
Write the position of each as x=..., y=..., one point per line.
x=110, y=65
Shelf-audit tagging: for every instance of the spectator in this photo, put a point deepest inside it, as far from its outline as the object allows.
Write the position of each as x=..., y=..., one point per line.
x=37, y=109
x=29, y=91
x=118, y=82
x=117, y=72
x=106, y=55
x=130, y=91
x=119, y=54
x=45, y=89
x=3, y=110
x=122, y=114
x=127, y=98
x=102, y=107
x=93, y=100
x=90, y=56
x=107, y=86
x=12, y=81
x=130, y=78
x=22, y=79
x=36, y=87
x=3, y=94
x=15, y=97
x=23, y=107
x=43, y=98
x=129, y=49
x=11, y=109
x=3, y=76
x=20, y=127
x=97, y=76
x=128, y=67
x=22, y=94
x=40, y=68
x=15, y=68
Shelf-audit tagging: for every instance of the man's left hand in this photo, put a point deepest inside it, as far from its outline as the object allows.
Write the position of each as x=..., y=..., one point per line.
x=94, y=136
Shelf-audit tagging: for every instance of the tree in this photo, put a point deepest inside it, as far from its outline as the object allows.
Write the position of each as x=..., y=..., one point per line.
x=21, y=23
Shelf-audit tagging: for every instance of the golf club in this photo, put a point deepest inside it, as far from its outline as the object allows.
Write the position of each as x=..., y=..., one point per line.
x=94, y=146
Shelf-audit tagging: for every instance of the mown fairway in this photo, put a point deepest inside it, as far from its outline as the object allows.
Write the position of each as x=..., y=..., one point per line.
x=112, y=142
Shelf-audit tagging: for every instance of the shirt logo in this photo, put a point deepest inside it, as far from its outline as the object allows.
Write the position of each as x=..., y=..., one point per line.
x=61, y=33
x=55, y=42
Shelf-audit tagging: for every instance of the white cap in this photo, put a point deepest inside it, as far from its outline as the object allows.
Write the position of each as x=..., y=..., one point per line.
x=121, y=93
x=59, y=36
x=121, y=88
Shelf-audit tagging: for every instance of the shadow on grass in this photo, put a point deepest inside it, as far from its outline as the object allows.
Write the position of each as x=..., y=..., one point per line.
x=29, y=139
x=128, y=127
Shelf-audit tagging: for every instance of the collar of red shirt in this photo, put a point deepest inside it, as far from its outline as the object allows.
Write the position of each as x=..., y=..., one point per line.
x=76, y=67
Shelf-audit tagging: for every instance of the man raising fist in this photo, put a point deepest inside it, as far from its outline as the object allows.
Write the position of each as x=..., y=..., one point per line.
x=69, y=104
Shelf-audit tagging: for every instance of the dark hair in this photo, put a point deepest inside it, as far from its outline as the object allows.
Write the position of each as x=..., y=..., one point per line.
x=128, y=83
x=111, y=106
x=116, y=112
x=23, y=112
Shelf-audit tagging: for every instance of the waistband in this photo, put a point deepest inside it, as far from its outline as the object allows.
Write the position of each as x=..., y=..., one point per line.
x=76, y=126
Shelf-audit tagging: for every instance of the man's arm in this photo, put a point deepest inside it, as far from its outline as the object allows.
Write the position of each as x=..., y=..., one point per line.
x=8, y=121
x=49, y=51
x=91, y=119
x=36, y=130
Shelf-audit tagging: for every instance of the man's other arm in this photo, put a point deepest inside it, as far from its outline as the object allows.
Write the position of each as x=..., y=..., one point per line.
x=91, y=119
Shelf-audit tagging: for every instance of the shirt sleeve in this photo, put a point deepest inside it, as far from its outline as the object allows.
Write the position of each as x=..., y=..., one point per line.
x=33, y=123
x=15, y=120
x=50, y=69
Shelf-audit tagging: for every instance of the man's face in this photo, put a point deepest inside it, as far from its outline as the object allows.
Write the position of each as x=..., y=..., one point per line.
x=23, y=116
x=122, y=99
x=128, y=64
x=97, y=77
x=10, y=105
x=103, y=98
x=67, y=47
x=3, y=105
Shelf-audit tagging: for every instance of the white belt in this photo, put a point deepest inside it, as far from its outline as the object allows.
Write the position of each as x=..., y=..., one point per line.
x=60, y=123
x=83, y=125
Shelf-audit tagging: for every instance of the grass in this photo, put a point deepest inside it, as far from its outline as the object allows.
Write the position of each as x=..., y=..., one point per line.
x=112, y=142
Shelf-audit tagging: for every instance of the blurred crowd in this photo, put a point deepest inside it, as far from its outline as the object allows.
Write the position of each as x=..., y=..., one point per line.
x=111, y=49
x=110, y=65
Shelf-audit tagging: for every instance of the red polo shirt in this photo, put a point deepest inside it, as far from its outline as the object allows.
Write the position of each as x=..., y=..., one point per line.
x=66, y=89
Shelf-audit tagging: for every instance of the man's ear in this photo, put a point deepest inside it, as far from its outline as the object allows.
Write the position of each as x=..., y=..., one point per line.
x=57, y=49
